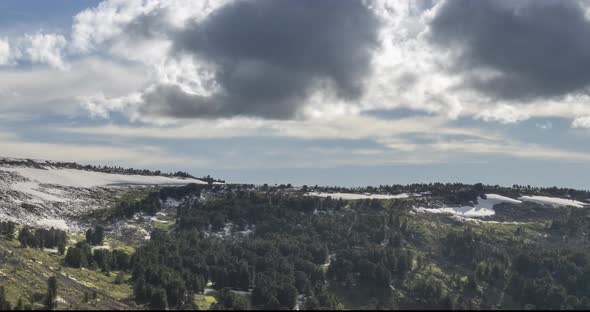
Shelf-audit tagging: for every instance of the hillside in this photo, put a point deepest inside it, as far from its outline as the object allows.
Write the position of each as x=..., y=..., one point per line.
x=43, y=193
x=130, y=241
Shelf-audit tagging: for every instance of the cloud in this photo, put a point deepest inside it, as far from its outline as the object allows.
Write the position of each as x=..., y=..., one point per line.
x=4, y=52
x=270, y=56
x=385, y=132
x=506, y=148
x=581, y=122
x=126, y=29
x=516, y=50
x=503, y=113
x=44, y=90
x=44, y=49
x=38, y=48
x=298, y=60
x=132, y=156
x=371, y=141
x=248, y=58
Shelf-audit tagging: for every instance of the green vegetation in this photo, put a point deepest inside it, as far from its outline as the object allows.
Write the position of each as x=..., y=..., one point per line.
x=369, y=254
x=25, y=273
x=204, y=302
x=273, y=248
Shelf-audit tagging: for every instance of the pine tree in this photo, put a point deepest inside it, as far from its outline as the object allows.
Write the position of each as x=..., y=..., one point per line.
x=244, y=277
x=20, y=305
x=4, y=304
x=61, y=248
x=89, y=236
x=98, y=235
x=50, y=299
x=159, y=301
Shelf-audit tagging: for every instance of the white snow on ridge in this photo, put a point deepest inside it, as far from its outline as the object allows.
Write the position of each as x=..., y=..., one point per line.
x=553, y=201
x=483, y=208
x=464, y=211
x=353, y=196
x=494, y=199
x=88, y=179
x=54, y=197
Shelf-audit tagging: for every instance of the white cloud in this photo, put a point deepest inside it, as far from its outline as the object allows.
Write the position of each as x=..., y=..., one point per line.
x=354, y=127
x=408, y=71
x=581, y=122
x=4, y=52
x=407, y=140
x=133, y=29
x=42, y=90
x=39, y=48
x=506, y=148
x=44, y=49
x=132, y=156
x=503, y=113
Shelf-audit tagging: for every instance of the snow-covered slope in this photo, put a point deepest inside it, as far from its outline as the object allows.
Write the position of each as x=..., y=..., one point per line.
x=483, y=208
x=44, y=195
x=553, y=201
x=493, y=199
x=464, y=211
x=83, y=178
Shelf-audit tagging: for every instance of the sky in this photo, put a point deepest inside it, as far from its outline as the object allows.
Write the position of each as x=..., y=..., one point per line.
x=329, y=92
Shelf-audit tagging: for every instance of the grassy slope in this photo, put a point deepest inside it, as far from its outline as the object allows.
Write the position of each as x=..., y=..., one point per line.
x=204, y=301
x=25, y=272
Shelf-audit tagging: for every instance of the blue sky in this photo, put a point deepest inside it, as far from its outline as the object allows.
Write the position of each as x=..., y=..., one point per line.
x=302, y=92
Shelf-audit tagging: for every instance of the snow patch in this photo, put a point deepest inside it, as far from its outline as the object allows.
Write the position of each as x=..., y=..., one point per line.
x=494, y=199
x=464, y=211
x=483, y=208
x=353, y=196
x=553, y=201
x=58, y=224
x=88, y=179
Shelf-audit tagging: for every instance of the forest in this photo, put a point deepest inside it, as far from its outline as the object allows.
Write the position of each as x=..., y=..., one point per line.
x=311, y=253
x=273, y=248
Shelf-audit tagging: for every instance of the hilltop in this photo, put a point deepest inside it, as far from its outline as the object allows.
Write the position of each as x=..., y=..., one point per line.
x=45, y=193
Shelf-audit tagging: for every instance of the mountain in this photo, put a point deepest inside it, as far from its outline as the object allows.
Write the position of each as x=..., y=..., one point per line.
x=115, y=238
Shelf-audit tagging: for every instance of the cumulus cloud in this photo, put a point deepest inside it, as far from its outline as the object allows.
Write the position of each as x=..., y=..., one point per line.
x=44, y=49
x=306, y=59
x=517, y=50
x=284, y=60
x=249, y=58
x=38, y=48
x=269, y=56
x=135, y=29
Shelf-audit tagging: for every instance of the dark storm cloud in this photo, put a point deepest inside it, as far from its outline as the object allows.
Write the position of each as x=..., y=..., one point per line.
x=271, y=54
x=539, y=48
